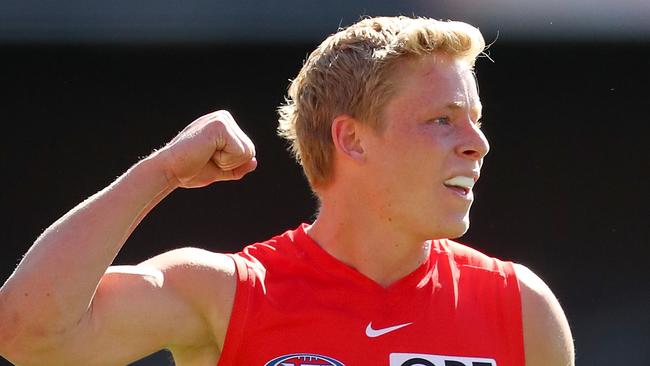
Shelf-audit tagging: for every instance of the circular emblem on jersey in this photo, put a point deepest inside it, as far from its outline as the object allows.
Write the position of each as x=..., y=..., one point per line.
x=304, y=359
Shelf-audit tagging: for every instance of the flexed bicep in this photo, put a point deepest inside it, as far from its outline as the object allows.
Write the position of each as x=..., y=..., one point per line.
x=163, y=303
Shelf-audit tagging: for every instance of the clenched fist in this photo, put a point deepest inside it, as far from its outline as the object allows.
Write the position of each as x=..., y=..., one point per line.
x=212, y=148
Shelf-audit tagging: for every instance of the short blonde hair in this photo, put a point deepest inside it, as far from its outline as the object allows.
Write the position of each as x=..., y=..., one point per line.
x=349, y=73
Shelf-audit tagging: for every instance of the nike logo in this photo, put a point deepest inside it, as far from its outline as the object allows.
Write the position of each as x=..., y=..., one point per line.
x=372, y=333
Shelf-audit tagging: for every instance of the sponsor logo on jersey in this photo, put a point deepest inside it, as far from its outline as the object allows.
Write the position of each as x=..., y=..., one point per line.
x=418, y=359
x=304, y=359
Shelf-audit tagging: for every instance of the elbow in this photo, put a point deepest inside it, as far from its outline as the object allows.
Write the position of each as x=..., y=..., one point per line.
x=31, y=334
x=9, y=325
x=24, y=343
x=27, y=351
x=15, y=346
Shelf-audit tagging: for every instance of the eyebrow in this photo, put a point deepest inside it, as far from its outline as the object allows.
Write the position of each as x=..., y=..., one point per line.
x=476, y=108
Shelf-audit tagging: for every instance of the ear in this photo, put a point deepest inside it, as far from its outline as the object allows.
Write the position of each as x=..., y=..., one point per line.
x=346, y=135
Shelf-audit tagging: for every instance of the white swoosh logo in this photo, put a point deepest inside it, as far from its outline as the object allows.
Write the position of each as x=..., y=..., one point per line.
x=372, y=333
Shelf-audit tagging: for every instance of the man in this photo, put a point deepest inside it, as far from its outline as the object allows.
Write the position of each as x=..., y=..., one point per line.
x=384, y=117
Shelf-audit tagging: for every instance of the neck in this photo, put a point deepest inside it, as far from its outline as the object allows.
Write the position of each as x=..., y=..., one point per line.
x=366, y=243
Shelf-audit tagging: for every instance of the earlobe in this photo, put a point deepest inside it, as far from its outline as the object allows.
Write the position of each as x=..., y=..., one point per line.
x=347, y=137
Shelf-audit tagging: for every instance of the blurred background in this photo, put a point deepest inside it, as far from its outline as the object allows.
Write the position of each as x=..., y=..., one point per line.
x=91, y=87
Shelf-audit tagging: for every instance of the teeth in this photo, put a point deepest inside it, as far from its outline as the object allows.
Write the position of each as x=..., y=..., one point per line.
x=461, y=181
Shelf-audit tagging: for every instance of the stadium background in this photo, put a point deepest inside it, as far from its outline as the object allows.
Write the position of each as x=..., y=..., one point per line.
x=89, y=88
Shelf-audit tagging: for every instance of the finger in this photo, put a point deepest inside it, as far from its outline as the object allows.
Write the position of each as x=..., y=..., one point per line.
x=241, y=170
x=231, y=158
x=238, y=134
x=234, y=153
x=210, y=173
x=245, y=140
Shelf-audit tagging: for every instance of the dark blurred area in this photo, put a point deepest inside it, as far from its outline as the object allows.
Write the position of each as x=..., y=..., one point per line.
x=563, y=190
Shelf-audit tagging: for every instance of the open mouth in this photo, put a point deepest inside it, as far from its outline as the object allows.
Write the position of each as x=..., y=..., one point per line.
x=460, y=184
x=460, y=190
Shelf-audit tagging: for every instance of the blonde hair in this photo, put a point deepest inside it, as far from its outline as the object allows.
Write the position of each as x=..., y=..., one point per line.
x=349, y=73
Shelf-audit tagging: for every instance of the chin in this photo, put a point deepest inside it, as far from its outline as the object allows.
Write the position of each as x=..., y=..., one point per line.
x=451, y=229
x=457, y=228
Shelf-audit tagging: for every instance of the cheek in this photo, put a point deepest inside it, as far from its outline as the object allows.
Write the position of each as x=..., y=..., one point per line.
x=426, y=148
x=408, y=152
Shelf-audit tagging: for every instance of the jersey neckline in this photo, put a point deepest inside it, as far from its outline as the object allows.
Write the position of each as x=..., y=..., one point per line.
x=416, y=279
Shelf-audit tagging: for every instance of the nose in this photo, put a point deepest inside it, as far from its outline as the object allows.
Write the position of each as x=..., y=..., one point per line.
x=473, y=145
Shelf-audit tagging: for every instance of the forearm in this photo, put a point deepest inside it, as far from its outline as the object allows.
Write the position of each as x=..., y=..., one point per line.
x=52, y=287
x=46, y=306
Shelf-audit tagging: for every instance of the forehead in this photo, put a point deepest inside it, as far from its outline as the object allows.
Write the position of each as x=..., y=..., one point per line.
x=435, y=80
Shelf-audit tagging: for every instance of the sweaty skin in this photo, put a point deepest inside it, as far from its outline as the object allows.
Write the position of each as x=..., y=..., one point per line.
x=393, y=182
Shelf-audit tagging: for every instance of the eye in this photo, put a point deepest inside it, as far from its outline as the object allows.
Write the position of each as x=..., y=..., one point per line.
x=444, y=121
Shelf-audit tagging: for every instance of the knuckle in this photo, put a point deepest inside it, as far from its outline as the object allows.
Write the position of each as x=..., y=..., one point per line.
x=224, y=115
x=217, y=125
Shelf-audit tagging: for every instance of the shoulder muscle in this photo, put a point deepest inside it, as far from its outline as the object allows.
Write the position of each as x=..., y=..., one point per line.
x=206, y=279
x=547, y=337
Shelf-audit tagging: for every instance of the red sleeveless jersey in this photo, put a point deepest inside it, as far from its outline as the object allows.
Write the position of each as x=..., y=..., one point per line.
x=296, y=305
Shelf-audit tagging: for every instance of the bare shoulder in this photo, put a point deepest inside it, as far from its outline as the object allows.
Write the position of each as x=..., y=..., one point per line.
x=193, y=262
x=179, y=300
x=205, y=278
x=547, y=336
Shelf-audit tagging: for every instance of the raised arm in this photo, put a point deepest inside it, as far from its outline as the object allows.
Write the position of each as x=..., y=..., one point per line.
x=61, y=305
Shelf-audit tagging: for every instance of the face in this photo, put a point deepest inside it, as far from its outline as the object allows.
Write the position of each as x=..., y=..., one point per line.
x=420, y=168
